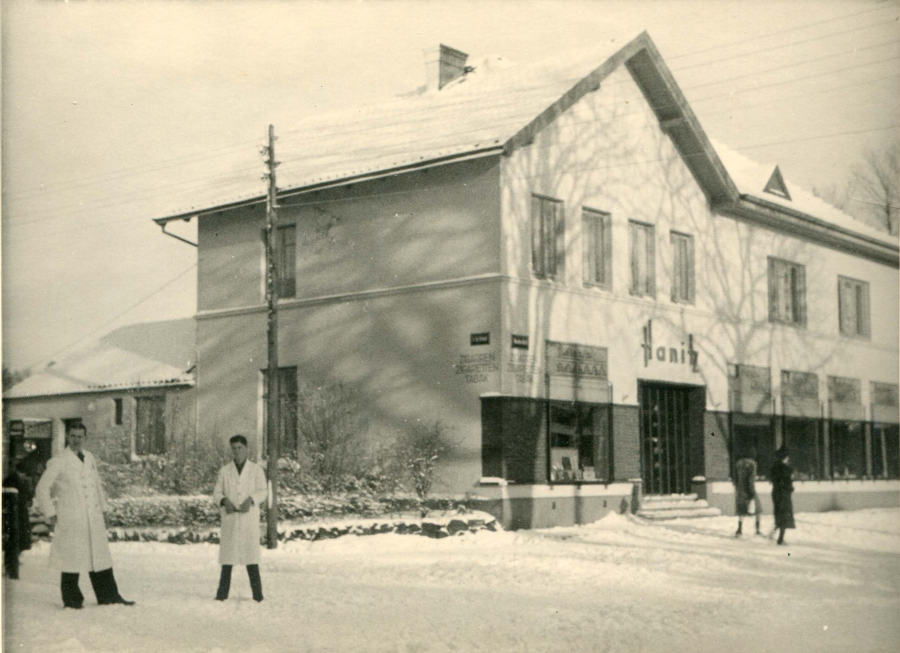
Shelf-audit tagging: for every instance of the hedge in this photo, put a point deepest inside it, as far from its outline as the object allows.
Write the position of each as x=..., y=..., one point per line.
x=199, y=511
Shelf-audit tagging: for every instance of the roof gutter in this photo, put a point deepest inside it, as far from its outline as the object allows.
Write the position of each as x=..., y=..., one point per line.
x=340, y=181
x=782, y=218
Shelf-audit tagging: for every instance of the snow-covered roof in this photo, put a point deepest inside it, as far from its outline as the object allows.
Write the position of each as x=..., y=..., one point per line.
x=478, y=112
x=139, y=355
x=751, y=178
x=495, y=107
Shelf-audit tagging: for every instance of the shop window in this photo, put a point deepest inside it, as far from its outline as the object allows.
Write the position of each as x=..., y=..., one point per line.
x=118, y=411
x=643, y=259
x=886, y=451
x=787, y=292
x=853, y=307
x=682, y=268
x=806, y=446
x=286, y=261
x=287, y=404
x=848, y=449
x=547, y=236
x=150, y=431
x=579, y=442
x=597, y=235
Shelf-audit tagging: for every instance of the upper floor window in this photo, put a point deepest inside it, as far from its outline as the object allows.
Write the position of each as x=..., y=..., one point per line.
x=853, y=307
x=682, y=268
x=787, y=292
x=597, y=248
x=286, y=261
x=547, y=234
x=643, y=259
x=117, y=403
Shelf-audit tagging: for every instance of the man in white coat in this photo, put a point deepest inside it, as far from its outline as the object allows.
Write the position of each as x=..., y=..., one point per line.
x=240, y=491
x=76, y=517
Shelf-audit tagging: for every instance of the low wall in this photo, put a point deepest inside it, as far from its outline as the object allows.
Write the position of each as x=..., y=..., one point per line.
x=814, y=496
x=545, y=506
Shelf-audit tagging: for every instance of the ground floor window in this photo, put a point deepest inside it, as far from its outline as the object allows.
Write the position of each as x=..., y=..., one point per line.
x=886, y=450
x=150, y=431
x=579, y=442
x=848, y=449
x=288, y=396
x=805, y=442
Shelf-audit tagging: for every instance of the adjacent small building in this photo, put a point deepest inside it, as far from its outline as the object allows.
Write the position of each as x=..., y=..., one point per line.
x=558, y=264
x=133, y=389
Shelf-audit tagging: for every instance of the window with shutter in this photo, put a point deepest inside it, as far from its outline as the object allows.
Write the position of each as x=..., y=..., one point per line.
x=547, y=237
x=597, y=248
x=643, y=257
x=853, y=307
x=787, y=292
x=682, y=268
x=286, y=261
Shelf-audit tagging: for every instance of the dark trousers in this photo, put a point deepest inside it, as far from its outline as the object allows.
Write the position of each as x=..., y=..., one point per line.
x=225, y=582
x=104, y=583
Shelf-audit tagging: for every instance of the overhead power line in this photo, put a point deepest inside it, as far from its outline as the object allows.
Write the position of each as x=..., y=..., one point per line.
x=199, y=157
x=117, y=316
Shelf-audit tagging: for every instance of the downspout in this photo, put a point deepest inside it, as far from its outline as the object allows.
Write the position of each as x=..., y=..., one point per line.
x=169, y=233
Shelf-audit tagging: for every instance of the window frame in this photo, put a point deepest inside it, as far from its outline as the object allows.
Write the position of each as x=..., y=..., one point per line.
x=866, y=332
x=591, y=248
x=547, y=241
x=688, y=296
x=284, y=398
x=649, y=289
x=798, y=317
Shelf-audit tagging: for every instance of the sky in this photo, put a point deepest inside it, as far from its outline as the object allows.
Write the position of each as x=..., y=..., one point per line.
x=114, y=113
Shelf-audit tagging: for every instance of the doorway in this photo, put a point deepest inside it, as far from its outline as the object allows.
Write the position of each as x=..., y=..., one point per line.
x=668, y=417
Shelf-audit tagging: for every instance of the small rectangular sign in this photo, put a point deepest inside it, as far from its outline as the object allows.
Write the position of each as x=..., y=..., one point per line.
x=480, y=338
x=519, y=342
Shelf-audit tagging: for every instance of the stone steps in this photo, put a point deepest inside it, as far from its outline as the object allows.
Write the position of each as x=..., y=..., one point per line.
x=675, y=506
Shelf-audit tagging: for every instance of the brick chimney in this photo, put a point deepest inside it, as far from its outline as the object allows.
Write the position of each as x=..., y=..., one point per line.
x=443, y=64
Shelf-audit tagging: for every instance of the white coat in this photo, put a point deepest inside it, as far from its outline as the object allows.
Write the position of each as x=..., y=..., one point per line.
x=79, y=539
x=239, y=539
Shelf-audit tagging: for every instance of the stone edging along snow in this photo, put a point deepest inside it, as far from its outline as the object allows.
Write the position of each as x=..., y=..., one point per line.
x=439, y=526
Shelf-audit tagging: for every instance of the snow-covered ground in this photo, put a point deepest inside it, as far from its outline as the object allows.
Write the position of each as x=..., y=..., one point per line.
x=618, y=585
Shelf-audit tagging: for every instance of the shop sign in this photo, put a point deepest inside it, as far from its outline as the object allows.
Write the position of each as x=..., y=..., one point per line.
x=519, y=342
x=480, y=338
x=681, y=355
x=582, y=361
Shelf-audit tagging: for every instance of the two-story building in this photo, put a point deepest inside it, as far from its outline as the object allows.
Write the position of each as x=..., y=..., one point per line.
x=558, y=264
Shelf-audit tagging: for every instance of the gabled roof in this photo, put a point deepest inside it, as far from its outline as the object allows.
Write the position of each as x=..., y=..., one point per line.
x=153, y=354
x=496, y=109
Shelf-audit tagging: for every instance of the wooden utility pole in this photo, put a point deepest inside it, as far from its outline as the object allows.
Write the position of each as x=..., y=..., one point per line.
x=273, y=408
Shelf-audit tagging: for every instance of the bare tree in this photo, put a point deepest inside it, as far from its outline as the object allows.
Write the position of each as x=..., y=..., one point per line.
x=873, y=191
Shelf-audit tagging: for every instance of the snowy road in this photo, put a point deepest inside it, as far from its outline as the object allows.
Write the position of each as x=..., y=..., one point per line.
x=618, y=585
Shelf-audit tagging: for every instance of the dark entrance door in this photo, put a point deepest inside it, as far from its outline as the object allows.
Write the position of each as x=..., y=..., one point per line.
x=665, y=438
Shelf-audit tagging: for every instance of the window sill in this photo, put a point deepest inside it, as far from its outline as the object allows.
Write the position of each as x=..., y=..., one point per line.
x=598, y=286
x=796, y=325
x=856, y=337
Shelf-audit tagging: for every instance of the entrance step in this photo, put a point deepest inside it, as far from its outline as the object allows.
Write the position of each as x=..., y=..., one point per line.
x=675, y=506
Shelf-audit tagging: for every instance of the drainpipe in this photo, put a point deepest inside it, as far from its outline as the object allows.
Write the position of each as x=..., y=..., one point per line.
x=169, y=233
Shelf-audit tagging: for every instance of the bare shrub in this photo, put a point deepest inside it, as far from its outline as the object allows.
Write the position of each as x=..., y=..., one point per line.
x=418, y=451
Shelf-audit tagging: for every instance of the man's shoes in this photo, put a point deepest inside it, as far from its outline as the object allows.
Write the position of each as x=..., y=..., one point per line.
x=117, y=600
x=74, y=606
x=258, y=600
x=221, y=598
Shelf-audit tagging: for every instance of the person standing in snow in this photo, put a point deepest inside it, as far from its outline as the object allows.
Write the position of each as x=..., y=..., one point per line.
x=782, y=487
x=745, y=490
x=76, y=517
x=240, y=490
